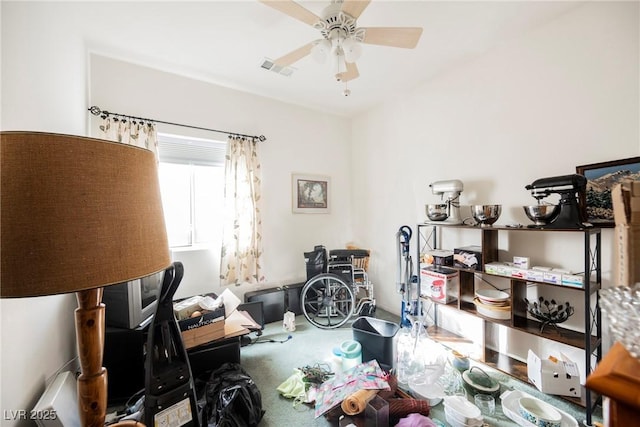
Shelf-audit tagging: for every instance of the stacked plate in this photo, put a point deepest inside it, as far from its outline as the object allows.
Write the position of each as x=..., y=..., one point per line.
x=459, y=412
x=493, y=297
x=493, y=303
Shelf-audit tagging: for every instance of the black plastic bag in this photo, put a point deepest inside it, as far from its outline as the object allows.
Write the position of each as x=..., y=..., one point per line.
x=230, y=398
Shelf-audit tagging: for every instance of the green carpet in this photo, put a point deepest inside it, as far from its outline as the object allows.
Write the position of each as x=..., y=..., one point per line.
x=271, y=363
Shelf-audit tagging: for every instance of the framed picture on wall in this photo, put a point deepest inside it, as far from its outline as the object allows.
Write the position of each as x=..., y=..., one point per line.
x=601, y=177
x=310, y=193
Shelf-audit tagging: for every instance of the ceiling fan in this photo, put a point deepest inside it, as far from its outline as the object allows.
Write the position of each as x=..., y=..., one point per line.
x=341, y=37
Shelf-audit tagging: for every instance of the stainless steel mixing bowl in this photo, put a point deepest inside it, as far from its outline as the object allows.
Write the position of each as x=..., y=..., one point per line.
x=542, y=214
x=437, y=212
x=486, y=215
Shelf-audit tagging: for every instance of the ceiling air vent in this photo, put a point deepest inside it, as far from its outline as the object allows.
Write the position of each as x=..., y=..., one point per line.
x=268, y=64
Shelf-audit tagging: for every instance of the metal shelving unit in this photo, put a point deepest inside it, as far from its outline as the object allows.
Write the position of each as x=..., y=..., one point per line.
x=589, y=340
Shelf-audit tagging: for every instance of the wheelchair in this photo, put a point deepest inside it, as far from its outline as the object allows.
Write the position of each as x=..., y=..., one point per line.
x=337, y=287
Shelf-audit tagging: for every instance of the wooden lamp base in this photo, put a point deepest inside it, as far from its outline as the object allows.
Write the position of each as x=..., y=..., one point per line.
x=92, y=382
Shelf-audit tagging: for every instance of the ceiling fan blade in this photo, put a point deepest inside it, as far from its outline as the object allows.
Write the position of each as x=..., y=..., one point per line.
x=350, y=74
x=355, y=7
x=295, y=55
x=294, y=10
x=406, y=37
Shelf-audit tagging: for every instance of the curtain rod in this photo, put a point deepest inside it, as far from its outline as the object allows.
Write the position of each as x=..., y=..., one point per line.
x=96, y=111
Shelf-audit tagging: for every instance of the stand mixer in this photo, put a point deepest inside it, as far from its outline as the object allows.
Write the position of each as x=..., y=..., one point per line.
x=449, y=190
x=569, y=187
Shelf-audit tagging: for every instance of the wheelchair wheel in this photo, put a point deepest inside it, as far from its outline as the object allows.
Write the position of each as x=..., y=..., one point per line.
x=327, y=301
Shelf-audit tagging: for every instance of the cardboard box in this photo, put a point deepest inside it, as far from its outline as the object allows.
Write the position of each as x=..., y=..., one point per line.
x=505, y=269
x=491, y=268
x=627, y=252
x=468, y=257
x=439, y=284
x=521, y=262
x=625, y=197
x=554, y=277
x=535, y=275
x=184, y=308
x=203, y=329
x=438, y=257
x=519, y=273
x=554, y=376
x=499, y=268
x=574, y=280
x=203, y=335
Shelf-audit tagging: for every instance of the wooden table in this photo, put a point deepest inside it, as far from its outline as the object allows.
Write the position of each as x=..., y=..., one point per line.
x=617, y=377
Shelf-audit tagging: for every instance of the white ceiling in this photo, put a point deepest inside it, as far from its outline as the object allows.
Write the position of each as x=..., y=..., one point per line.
x=225, y=42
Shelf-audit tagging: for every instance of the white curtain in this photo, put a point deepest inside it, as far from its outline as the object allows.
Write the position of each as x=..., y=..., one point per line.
x=133, y=132
x=241, y=257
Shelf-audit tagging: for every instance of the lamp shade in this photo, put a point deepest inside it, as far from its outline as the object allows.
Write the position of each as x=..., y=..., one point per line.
x=77, y=213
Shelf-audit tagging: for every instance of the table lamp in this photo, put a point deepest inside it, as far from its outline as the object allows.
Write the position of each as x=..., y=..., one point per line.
x=78, y=214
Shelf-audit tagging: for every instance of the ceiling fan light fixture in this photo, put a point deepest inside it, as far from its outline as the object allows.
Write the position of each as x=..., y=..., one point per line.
x=320, y=51
x=352, y=50
x=336, y=39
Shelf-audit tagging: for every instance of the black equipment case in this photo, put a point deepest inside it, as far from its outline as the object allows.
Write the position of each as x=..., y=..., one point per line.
x=292, y=297
x=272, y=302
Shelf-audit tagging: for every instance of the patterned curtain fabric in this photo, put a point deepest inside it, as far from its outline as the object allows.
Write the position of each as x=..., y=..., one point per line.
x=138, y=133
x=240, y=261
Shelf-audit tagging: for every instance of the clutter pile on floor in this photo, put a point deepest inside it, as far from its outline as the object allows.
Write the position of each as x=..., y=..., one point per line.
x=364, y=393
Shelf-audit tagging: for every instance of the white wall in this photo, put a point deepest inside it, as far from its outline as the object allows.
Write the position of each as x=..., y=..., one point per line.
x=43, y=89
x=566, y=94
x=298, y=140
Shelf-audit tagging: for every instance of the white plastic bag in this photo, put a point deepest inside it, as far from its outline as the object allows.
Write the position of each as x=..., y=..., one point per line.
x=289, y=321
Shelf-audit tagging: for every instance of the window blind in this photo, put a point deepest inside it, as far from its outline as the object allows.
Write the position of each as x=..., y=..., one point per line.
x=197, y=151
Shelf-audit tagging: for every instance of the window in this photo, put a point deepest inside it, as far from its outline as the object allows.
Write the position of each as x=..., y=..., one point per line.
x=192, y=185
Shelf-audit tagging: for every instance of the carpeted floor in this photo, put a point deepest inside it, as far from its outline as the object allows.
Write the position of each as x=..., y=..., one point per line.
x=272, y=358
x=270, y=363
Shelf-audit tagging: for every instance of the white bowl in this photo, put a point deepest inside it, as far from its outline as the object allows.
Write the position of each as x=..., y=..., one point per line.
x=538, y=412
x=462, y=410
x=492, y=311
x=492, y=296
x=424, y=385
x=432, y=393
x=451, y=419
x=509, y=402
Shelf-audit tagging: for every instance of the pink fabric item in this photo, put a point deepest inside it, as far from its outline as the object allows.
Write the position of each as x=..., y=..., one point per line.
x=415, y=420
